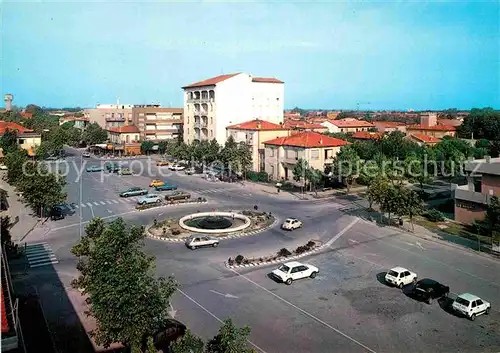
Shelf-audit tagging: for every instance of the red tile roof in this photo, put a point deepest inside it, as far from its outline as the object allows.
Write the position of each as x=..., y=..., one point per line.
x=257, y=124
x=7, y=125
x=388, y=124
x=26, y=115
x=290, y=124
x=449, y=122
x=367, y=135
x=434, y=127
x=211, y=81
x=127, y=129
x=349, y=122
x=308, y=139
x=266, y=80
x=426, y=138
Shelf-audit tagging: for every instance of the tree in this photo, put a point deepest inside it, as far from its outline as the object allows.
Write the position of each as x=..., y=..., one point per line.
x=416, y=169
x=299, y=171
x=230, y=339
x=162, y=147
x=33, y=109
x=411, y=204
x=314, y=177
x=377, y=190
x=127, y=300
x=213, y=151
x=244, y=157
x=493, y=215
x=41, y=188
x=346, y=165
x=229, y=154
x=147, y=146
x=189, y=343
x=94, y=134
x=8, y=142
x=481, y=124
x=14, y=162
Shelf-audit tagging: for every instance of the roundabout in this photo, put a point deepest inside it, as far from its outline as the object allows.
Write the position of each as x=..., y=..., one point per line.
x=215, y=222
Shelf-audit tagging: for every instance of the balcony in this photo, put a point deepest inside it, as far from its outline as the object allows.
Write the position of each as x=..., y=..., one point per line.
x=200, y=125
x=110, y=119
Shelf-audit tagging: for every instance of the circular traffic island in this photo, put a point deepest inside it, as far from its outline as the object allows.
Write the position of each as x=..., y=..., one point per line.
x=219, y=224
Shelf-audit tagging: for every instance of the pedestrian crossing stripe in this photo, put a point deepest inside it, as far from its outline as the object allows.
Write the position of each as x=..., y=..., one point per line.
x=40, y=254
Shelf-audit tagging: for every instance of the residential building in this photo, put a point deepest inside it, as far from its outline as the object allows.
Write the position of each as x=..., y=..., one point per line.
x=124, y=134
x=78, y=122
x=367, y=135
x=212, y=104
x=471, y=200
x=158, y=123
x=110, y=115
x=347, y=125
x=389, y=126
x=424, y=140
x=429, y=126
x=254, y=133
x=450, y=122
x=26, y=138
x=298, y=126
x=282, y=153
x=26, y=115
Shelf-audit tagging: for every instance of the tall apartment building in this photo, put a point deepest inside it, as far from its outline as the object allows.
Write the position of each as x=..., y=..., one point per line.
x=110, y=115
x=215, y=103
x=158, y=123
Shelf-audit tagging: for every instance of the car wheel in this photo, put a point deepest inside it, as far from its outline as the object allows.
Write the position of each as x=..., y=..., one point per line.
x=400, y=286
x=429, y=300
x=193, y=247
x=313, y=275
x=487, y=311
x=472, y=317
x=158, y=201
x=215, y=245
x=143, y=203
x=289, y=281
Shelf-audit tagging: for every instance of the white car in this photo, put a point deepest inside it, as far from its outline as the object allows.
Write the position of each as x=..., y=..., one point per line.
x=198, y=241
x=86, y=154
x=400, y=277
x=471, y=306
x=291, y=224
x=3, y=167
x=177, y=167
x=150, y=198
x=292, y=271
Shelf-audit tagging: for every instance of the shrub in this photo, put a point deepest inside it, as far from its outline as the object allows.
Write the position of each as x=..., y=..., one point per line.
x=434, y=215
x=284, y=252
x=176, y=232
x=310, y=244
x=164, y=230
x=239, y=259
x=301, y=249
x=246, y=261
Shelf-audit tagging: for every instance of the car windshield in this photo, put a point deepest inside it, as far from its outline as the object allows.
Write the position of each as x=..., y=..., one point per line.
x=462, y=301
x=284, y=268
x=393, y=273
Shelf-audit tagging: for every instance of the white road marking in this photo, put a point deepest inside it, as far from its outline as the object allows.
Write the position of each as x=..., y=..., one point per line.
x=115, y=201
x=306, y=312
x=353, y=241
x=83, y=205
x=102, y=203
x=89, y=204
x=75, y=206
x=349, y=226
x=214, y=316
x=92, y=210
x=96, y=204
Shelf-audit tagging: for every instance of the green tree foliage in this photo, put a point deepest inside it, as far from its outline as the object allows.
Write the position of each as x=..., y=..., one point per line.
x=410, y=204
x=230, y=339
x=8, y=142
x=484, y=123
x=34, y=109
x=229, y=154
x=417, y=170
x=377, y=190
x=14, y=162
x=94, y=134
x=147, y=146
x=244, y=157
x=299, y=170
x=346, y=166
x=42, y=122
x=395, y=146
x=73, y=135
x=125, y=297
x=493, y=215
x=189, y=343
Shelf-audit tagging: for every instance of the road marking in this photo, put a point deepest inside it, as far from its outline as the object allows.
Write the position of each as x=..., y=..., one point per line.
x=306, y=312
x=92, y=210
x=227, y=295
x=115, y=201
x=89, y=204
x=349, y=226
x=102, y=203
x=83, y=205
x=107, y=217
x=215, y=317
x=96, y=204
x=75, y=206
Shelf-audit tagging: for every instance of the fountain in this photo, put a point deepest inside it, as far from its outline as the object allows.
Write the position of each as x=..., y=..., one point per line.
x=215, y=222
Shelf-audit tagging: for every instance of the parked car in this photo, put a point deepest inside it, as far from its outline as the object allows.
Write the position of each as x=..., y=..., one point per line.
x=177, y=167
x=291, y=224
x=134, y=191
x=198, y=241
x=400, y=277
x=189, y=171
x=292, y=271
x=156, y=182
x=125, y=171
x=166, y=187
x=177, y=195
x=162, y=164
x=428, y=289
x=3, y=167
x=86, y=154
x=148, y=199
x=471, y=306
x=94, y=168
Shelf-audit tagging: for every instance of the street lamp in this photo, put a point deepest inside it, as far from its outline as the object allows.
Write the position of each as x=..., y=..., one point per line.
x=80, y=198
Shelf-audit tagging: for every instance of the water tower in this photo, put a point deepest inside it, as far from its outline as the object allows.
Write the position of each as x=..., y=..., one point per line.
x=8, y=98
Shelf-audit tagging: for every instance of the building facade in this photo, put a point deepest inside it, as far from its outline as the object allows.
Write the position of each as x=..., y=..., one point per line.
x=158, y=123
x=26, y=138
x=282, y=153
x=254, y=133
x=347, y=125
x=429, y=126
x=110, y=115
x=213, y=104
x=471, y=200
x=78, y=122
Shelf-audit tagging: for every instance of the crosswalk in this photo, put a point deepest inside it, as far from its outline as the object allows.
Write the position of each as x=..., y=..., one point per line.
x=40, y=254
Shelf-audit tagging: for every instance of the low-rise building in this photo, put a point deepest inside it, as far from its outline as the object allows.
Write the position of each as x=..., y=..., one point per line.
x=471, y=200
x=27, y=139
x=124, y=134
x=254, y=133
x=367, y=135
x=110, y=115
x=389, y=126
x=424, y=140
x=282, y=153
x=158, y=123
x=347, y=125
x=300, y=126
x=429, y=126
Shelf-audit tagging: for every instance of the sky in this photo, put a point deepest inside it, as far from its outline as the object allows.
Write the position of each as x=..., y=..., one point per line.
x=331, y=55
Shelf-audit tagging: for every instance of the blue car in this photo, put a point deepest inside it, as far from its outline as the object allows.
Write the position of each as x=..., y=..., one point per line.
x=166, y=187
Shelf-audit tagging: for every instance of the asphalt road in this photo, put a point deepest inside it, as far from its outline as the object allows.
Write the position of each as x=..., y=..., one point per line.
x=347, y=308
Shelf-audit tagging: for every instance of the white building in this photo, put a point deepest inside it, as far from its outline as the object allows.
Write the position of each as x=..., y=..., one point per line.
x=213, y=104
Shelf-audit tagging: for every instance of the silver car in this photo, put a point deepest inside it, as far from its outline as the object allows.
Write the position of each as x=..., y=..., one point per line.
x=199, y=241
x=148, y=199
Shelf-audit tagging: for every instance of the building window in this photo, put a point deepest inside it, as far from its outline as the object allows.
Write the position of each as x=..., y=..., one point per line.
x=188, y=131
x=21, y=141
x=211, y=133
x=141, y=114
x=271, y=152
x=211, y=120
x=314, y=154
x=188, y=119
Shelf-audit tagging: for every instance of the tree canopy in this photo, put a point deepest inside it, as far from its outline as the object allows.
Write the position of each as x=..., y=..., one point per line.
x=94, y=134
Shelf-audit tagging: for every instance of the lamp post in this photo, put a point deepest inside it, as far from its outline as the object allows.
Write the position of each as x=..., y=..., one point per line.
x=80, y=198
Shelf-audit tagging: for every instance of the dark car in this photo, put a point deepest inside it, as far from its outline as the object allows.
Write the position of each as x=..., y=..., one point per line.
x=60, y=212
x=428, y=289
x=171, y=331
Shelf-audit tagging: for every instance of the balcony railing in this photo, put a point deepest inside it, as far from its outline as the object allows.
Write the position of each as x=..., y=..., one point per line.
x=115, y=119
x=200, y=125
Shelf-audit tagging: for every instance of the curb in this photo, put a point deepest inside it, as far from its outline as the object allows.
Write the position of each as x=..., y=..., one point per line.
x=172, y=204
x=231, y=236
x=279, y=260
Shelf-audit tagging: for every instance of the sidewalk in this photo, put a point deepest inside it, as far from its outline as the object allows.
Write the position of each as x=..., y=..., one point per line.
x=21, y=216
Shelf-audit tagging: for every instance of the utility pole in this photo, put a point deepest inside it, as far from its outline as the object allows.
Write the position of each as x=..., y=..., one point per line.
x=80, y=198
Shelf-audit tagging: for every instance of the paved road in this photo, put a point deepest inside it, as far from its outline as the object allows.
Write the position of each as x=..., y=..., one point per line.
x=347, y=308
